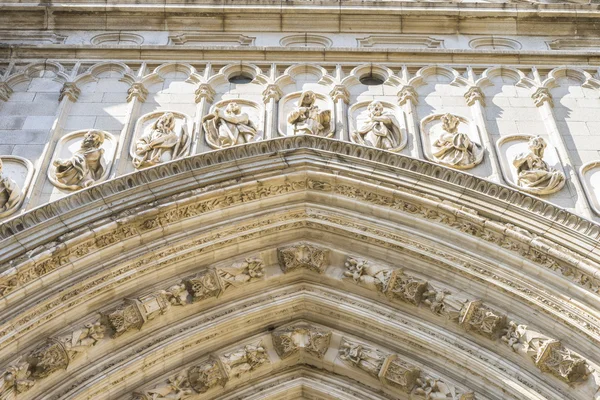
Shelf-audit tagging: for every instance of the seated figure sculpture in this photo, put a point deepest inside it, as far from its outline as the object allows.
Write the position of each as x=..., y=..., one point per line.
x=228, y=127
x=307, y=119
x=534, y=175
x=10, y=193
x=454, y=148
x=161, y=143
x=380, y=130
x=85, y=167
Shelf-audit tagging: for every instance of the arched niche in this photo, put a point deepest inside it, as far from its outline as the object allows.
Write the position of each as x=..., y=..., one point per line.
x=70, y=144
x=590, y=176
x=252, y=109
x=20, y=171
x=186, y=137
x=290, y=101
x=358, y=116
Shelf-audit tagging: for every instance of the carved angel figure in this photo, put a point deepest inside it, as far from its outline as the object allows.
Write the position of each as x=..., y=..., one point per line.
x=86, y=166
x=177, y=388
x=229, y=126
x=249, y=269
x=161, y=143
x=245, y=359
x=380, y=130
x=534, y=174
x=10, y=193
x=455, y=148
x=306, y=117
x=363, y=357
x=15, y=379
x=364, y=273
x=82, y=339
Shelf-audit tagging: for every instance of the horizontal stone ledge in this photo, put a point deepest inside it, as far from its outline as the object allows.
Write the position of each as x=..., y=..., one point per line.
x=125, y=53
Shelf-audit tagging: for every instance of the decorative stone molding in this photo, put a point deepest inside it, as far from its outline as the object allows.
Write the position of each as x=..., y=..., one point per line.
x=494, y=43
x=271, y=92
x=477, y=317
x=303, y=338
x=542, y=95
x=474, y=94
x=402, y=41
x=117, y=38
x=15, y=379
x=581, y=44
x=306, y=40
x=31, y=37
x=589, y=174
x=137, y=91
x=211, y=39
x=5, y=91
x=213, y=282
x=389, y=368
x=125, y=317
x=407, y=93
x=302, y=255
x=205, y=91
x=340, y=92
x=70, y=91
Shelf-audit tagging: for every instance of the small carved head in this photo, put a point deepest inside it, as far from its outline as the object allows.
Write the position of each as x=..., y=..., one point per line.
x=450, y=122
x=233, y=108
x=92, y=139
x=165, y=123
x=537, y=145
x=307, y=99
x=375, y=108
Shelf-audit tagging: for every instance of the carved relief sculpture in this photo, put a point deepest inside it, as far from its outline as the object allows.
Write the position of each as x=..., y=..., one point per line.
x=307, y=119
x=398, y=373
x=228, y=127
x=482, y=319
x=176, y=388
x=80, y=340
x=429, y=388
x=302, y=255
x=534, y=175
x=10, y=193
x=161, y=142
x=48, y=358
x=380, y=130
x=361, y=356
x=85, y=167
x=454, y=148
x=207, y=375
x=291, y=340
x=125, y=318
x=15, y=379
x=366, y=274
x=244, y=360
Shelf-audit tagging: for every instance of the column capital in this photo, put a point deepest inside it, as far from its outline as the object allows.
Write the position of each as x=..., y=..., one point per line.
x=474, y=94
x=541, y=96
x=137, y=90
x=205, y=91
x=272, y=91
x=5, y=91
x=339, y=92
x=407, y=93
x=69, y=90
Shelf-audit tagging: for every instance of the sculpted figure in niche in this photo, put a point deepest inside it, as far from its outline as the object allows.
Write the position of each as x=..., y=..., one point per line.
x=307, y=119
x=534, y=174
x=363, y=357
x=380, y=130
x=161, y=143
x=453, y=147
x=86, y=166
x=245, y=359
x=229, y=126
x=10, y=193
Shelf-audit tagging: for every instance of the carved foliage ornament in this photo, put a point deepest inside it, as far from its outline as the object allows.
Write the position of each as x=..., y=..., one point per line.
x=302, y=255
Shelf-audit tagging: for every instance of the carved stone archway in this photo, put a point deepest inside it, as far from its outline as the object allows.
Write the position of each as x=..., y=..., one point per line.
x=437, y=278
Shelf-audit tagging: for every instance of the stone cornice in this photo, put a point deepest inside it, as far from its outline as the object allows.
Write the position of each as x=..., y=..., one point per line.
x=161, y=53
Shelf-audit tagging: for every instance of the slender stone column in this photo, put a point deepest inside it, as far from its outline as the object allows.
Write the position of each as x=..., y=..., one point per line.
x=407, y=98
x=205, y=95
x=475, y=101
x=543, y=101
x=68, y=95
x=341, y=97
x=136, y=95
x=271, y=96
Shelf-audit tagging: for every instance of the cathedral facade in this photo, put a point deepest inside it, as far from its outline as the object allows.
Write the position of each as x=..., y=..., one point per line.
x=308, y=199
